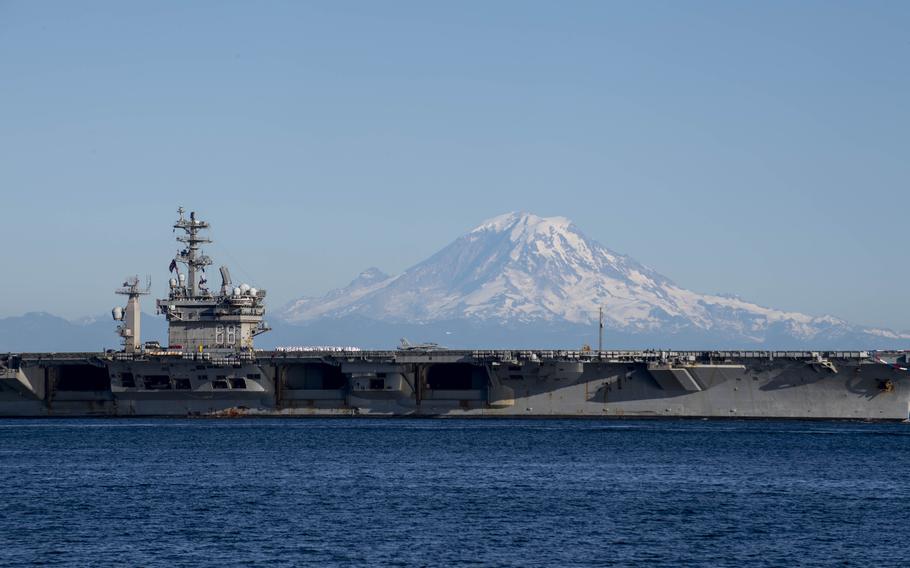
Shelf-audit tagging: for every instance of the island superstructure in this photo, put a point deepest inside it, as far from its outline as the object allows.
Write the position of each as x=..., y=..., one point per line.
x=210, y=367
x=199, y=319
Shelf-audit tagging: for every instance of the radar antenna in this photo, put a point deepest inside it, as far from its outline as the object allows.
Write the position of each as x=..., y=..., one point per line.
x=191, y=256
x=200, y=318
x=131, y=315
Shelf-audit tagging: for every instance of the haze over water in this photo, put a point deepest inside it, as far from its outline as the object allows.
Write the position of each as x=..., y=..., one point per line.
x=452, y=492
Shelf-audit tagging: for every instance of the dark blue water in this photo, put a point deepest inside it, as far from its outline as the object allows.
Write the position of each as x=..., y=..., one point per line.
x=453, y=492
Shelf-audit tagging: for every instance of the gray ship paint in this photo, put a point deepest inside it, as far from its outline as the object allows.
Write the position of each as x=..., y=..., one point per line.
x=211, y=367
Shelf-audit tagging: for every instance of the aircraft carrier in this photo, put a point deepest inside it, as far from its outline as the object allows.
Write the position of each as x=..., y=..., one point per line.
x=210, y=367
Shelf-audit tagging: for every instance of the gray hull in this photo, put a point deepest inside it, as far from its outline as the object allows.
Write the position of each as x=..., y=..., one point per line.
x=837, y=385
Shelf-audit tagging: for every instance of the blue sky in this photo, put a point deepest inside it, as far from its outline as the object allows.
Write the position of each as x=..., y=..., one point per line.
x=757, y=148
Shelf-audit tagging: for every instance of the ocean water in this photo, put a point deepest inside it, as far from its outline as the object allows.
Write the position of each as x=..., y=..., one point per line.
x=362, y=492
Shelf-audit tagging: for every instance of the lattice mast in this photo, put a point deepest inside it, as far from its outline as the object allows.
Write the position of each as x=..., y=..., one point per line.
x=191, y=256
x=200, y=319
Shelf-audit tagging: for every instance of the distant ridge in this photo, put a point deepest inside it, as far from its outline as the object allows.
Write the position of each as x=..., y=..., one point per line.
x=43, y=332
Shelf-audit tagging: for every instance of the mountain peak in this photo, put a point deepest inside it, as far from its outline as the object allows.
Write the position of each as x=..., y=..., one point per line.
x=522, y=269
x=369, y=276
x=523, y=224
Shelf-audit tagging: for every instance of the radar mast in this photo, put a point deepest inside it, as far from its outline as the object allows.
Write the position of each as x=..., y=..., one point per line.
x=198, y=319
x=191, y=256
x=131, y=316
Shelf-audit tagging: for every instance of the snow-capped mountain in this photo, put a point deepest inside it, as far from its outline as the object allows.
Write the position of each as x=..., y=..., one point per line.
x=517, y=280
x=519, y=270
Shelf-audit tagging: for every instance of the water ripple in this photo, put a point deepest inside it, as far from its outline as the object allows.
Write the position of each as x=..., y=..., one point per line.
x=451, y=492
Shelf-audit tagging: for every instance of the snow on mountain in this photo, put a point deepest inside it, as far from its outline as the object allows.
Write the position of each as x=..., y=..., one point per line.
x=519, y=268
x=336, y=302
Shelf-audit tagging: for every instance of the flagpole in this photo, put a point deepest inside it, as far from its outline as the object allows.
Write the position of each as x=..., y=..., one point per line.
x=600, y=337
